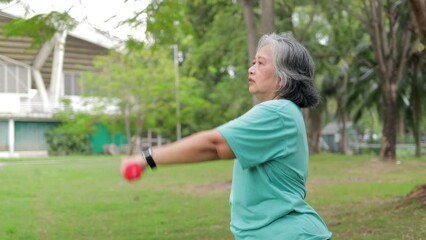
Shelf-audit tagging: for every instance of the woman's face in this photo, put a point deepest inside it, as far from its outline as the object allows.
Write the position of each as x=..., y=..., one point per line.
x=262, y=82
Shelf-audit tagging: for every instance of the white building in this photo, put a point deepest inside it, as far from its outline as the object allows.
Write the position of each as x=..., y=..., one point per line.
x=33, y=83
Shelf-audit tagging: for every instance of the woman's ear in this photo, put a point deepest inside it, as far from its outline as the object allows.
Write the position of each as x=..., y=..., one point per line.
x=280, y=83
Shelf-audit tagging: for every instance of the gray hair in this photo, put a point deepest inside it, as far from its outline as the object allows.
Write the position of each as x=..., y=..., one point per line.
x=295, y=67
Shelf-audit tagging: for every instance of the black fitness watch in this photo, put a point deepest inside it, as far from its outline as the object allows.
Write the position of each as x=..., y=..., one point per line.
x=149, y=159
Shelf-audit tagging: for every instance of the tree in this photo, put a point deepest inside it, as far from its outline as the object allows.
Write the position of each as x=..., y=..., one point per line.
x=413, y=97
x=417, y=60
x=416, y=69
x=391, y=38
x=346, y=40
x=137, y=83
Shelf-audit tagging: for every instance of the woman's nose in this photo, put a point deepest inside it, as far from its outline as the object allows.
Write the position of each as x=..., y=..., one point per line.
x=251, y=70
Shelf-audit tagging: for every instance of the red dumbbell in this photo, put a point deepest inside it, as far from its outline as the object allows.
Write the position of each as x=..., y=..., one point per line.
x=133, y=171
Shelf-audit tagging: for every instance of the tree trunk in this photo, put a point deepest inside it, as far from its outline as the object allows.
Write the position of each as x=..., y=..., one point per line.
x=139, y=127
x=127, y=126
x=314, y=129
x=416, y=101
x=341, y=113
x=344, y=134
x=401, y=124
x=417, y=115
x=418, y=13
x=391, y=45
x=268, y=16
x=418, y=17
x=252, y=38
x=388, y=148
x=250, y=28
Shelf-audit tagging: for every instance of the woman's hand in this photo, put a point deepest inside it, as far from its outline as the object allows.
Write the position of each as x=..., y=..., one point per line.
x=128, y=160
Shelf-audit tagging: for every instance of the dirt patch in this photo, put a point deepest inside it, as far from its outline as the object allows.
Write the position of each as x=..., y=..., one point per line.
x=349, y=179
x=375, y=165
x=209, y=187
x=419, y=193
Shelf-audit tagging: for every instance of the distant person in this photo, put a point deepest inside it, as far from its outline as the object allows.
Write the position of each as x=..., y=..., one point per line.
x=270, y=146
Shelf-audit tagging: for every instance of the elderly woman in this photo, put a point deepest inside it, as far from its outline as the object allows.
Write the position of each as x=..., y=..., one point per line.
x=269, y=144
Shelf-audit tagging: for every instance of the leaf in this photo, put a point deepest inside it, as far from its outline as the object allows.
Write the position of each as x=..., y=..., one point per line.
x=40, y=28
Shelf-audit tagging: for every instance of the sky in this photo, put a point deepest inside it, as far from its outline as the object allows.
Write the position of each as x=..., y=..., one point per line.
x=101, y=14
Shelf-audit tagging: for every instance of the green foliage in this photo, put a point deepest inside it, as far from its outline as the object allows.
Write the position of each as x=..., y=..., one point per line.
x=62, y=142
x=141, y=84
x=345, y=62
x=223, y=45
x=138, y=77
x=113, y=123
x=40, y=28
x=134, y=45
x=72, y=136
x=213, y=47
x=167, y=22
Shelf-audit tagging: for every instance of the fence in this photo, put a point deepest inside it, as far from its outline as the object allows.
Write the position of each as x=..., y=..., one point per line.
x=144, y=142
x=403, y=149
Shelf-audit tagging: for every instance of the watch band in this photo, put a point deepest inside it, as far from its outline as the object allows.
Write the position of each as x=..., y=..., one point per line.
x=149, y=158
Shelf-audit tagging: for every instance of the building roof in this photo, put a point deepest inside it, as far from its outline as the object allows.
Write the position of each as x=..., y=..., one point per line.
x=79, y=52
x=79, y=32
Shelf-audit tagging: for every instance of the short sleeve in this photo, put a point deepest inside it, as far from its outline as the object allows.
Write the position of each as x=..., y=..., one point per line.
x=259, y=135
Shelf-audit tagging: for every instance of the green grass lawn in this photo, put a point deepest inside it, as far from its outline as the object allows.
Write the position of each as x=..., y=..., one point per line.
x=86, y=198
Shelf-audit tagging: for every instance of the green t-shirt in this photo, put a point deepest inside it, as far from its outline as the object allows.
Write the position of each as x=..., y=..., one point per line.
x=268, y=185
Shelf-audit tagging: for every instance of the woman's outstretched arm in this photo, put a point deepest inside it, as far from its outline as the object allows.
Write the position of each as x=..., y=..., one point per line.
x=202, y=146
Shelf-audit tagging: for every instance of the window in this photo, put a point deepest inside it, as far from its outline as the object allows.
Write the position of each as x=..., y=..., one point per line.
x=14, y=78
x=71, y=84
